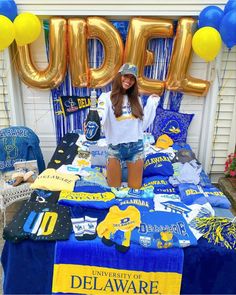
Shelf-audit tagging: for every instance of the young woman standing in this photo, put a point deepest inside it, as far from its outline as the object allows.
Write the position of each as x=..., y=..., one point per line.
x=124, y=120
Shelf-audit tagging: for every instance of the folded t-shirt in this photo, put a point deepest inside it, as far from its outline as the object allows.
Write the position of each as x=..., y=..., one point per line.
x=160, y=184
x=87, y=199
x=52, y=180
x=213, y=195
x=160, y=230
x=141, y=204
x=157, y=164
x=143, y=192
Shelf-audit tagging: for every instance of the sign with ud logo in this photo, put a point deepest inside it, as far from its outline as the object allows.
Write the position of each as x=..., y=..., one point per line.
x=41, y=224
x=40, y=220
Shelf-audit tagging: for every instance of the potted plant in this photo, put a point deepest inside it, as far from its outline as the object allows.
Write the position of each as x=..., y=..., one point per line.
x=230, y=165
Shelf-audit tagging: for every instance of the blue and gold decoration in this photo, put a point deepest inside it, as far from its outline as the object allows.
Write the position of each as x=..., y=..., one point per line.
x=71, y=104
x=161, y=48
x=218, y=231
x=172, y=123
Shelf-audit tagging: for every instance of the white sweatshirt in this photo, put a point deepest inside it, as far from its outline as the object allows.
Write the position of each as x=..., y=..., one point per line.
x=125, y=128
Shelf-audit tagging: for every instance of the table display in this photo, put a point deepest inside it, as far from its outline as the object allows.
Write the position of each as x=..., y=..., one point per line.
x=28, y=267
x=76, y=235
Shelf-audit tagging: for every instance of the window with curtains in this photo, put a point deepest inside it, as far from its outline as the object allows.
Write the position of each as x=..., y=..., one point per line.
x=4, y=101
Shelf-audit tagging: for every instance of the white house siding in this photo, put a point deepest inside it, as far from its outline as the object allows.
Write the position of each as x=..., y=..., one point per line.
x=225, y=120
x=36, y=104
x=119, y=8
x=4, y=100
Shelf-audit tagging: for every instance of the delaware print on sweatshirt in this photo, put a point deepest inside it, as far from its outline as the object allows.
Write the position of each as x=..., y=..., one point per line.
x=115, y=129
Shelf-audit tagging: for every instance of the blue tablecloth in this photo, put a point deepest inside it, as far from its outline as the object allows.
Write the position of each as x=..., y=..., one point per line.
x=28, y=268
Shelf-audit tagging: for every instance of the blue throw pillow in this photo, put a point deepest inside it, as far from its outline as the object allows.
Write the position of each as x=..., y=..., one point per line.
x=172, y=123
x=158, y=164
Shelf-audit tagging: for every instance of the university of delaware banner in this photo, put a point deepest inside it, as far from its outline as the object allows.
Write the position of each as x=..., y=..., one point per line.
x=90, y=267
x=81, y=279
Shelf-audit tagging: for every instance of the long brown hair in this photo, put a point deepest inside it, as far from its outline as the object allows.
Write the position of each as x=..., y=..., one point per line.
x=117, y=98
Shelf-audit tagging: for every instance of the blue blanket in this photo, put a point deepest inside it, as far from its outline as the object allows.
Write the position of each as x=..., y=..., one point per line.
x=28, y=268
x=89, y=267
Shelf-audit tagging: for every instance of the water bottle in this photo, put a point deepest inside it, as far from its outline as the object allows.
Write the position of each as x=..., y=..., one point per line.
x=92, y=123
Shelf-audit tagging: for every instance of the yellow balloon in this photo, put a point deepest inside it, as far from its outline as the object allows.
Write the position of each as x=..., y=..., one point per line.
x=7, y=32
x=27, y=27
x=207, y=43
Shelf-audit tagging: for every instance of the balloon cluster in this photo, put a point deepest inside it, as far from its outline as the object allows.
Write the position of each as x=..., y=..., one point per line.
x=228, y=24
x=215, y=25
x=24, y=28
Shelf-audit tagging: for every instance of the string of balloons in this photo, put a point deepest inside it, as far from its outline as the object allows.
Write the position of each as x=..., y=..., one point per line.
x=214, y=26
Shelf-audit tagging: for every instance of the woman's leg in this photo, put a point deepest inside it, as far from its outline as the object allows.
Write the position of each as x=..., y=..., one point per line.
x=135, y=173
x=114, y=172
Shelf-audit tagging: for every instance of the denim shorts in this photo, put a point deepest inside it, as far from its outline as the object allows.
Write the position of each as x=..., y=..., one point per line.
x=127, y=152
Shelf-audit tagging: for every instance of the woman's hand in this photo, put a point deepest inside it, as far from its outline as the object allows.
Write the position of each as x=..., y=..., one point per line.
x=154, y=99
x=155, y=96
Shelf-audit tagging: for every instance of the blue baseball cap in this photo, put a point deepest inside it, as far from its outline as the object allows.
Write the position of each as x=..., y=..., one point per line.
x=129, y=69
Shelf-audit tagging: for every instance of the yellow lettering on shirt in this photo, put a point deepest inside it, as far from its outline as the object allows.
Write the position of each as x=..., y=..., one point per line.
x=156, y=160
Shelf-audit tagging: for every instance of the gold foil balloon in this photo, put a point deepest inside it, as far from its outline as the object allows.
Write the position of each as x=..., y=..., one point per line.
x=100, y=28
x=178, y=78
x=78, y=52
x=141, y=30
x=55, y=72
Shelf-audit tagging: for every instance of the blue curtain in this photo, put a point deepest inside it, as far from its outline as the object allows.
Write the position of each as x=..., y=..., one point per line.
x=161, y=48
x=174, y=100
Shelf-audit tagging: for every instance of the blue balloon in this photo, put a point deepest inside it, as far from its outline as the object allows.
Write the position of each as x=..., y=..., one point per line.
x=8, y=8
x=230, y=5
x=210, y=16
x=228, y=29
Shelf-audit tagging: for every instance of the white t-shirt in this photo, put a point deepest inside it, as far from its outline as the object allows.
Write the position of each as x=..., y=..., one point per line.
x=125, y=128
